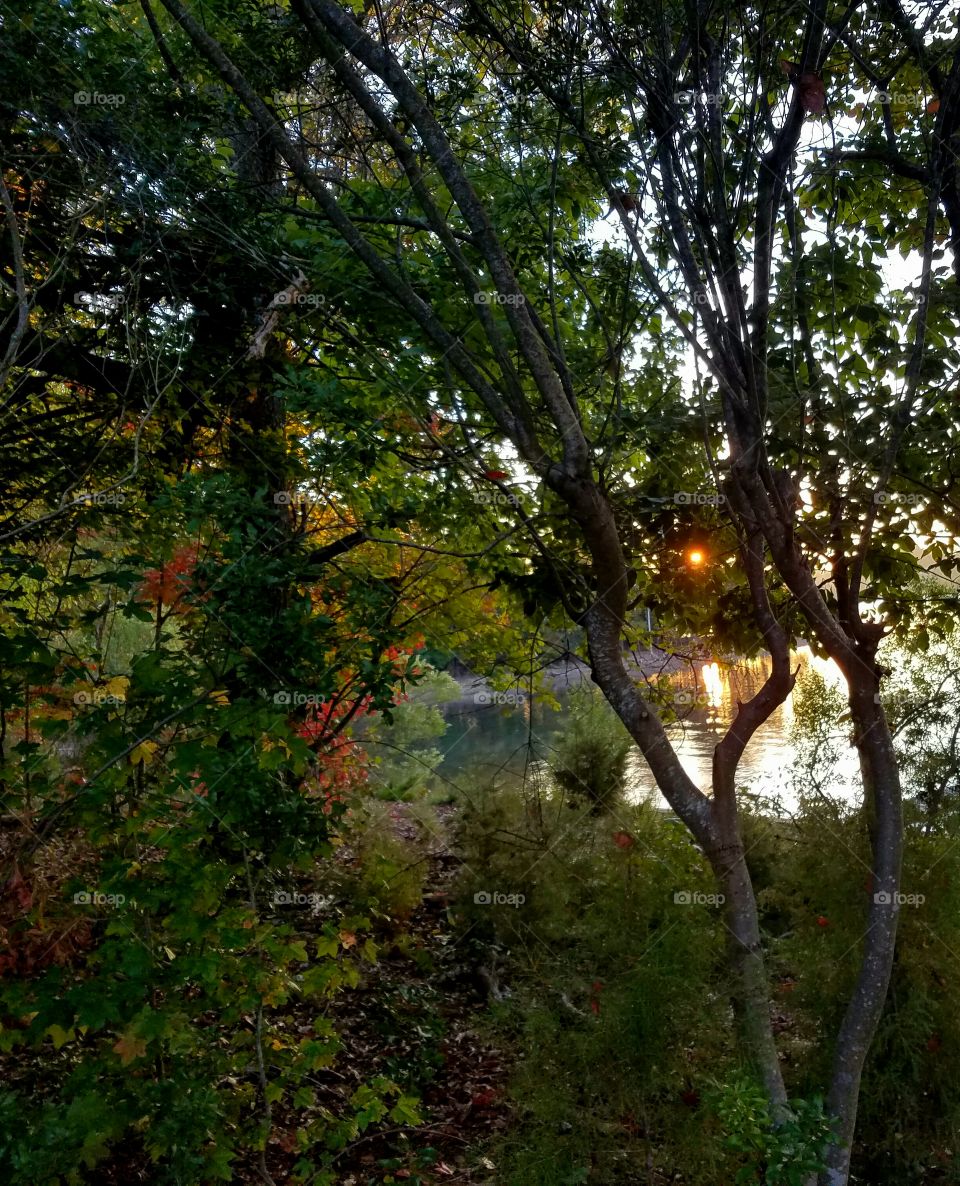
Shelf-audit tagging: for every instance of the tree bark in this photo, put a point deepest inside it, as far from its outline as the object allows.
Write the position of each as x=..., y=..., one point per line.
x=881, y=782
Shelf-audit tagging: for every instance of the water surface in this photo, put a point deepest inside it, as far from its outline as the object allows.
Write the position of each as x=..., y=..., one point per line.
x=512, y=740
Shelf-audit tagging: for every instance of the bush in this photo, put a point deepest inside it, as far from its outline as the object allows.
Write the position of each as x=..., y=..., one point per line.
x=404, y=762
x=387, y=877
x=590, y=758
x=614, y=994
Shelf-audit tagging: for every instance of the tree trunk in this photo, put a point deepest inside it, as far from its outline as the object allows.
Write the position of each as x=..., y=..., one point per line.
x=714, y=823
x=751, y=999
x=881, y=781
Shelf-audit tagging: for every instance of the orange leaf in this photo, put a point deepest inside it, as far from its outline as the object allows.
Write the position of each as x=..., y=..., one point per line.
x=348, y=939
x=933, y=107
x=130, y=1048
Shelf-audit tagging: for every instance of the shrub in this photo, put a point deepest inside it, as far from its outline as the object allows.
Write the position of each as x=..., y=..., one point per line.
x=590, y=757
x=613, y=991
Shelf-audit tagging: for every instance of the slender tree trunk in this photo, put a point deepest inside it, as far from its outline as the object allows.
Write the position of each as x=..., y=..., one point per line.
x=714, y=823
x=881, y=781
x=751, y=998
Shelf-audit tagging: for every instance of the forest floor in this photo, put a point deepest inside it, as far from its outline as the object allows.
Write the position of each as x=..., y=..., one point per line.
x=418, y=1018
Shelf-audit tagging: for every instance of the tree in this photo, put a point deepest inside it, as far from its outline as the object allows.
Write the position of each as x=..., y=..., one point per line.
x=444, y=174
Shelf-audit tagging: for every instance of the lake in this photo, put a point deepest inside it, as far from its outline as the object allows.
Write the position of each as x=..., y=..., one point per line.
x=507, y=741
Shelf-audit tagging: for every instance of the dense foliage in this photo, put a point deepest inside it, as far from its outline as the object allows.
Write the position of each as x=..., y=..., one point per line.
x=339, y=341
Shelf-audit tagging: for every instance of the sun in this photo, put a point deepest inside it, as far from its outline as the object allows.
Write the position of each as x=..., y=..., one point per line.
x=695, y=558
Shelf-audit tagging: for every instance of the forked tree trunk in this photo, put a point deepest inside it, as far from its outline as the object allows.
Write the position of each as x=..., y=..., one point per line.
x=714, y=822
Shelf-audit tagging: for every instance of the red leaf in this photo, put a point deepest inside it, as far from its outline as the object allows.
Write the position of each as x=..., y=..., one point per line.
x=933, y=107
x=20, y=890
x=822, y=920
x=623, y=840
x=813, y=94
x=495, y=475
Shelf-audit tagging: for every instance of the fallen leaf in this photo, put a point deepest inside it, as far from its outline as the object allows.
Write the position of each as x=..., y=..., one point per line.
x=20, y=890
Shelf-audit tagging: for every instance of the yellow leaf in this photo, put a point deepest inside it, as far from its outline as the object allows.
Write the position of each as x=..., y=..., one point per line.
x=220, y=697
x=143, y=753
x=348, y=938
x=60, y=1036
x=117, y=687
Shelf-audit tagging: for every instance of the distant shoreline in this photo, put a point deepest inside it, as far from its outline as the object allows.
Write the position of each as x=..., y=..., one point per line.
x=569, y=673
